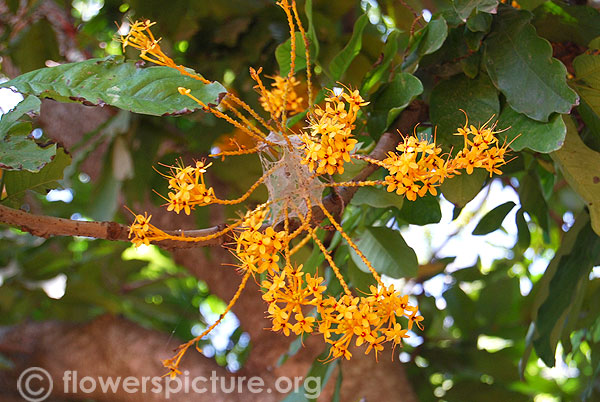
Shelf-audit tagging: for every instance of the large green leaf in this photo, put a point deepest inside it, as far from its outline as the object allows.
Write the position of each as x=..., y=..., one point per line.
x=566, y=276
x=342, y=60
x=391, y=100
x=123, y=84
x=422, y=211
x=581, y=167
x=493, y=220
x=477, y=97
x=377, y=198
x=387, y=251
x=523, y=132
x=521, y=65
x=18, y=182
x=18, y=151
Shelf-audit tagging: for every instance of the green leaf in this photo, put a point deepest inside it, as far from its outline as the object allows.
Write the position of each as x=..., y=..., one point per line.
x=520, y=64
x=461, y=189
x=587, y=83
x=387, y=251
x=391, y=100
x=477, y=97
x=377, y=198
x=433, y=36
x=18, y=182
x=581, y=168
x=342, y=60
x=524, y=235
x=18, y=151
x=464, y=8
x=118, y=83
x=480, y=22
x=532, y=200
x=493, y=220
x=587, y=69
x=360, y=280
x=567, y=275
x=523, y=132
x=378, y=74
x=562, y=22
x=425, y=41
x=422, y=211
x=283, y=55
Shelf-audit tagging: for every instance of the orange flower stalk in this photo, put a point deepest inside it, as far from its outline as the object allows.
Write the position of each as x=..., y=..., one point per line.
x=296, y=170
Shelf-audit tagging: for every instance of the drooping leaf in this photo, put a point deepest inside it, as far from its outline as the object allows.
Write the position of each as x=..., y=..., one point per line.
x=524, y=235
x=462, y=188
x=493, y=220
x=581, y=167
x=567, y=275
x=520, y=64
x=18, y=151
x=113, y=81
x=391, y=100
x=342, y=60
x=387, y=251
x=477, y=97
x=532, y=200
x=18, y=182
x=523, y=132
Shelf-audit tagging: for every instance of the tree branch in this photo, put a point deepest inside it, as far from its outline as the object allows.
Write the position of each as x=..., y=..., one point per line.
x=47, y=226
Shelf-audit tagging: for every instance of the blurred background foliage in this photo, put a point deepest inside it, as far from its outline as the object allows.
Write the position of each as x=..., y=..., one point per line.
x=504, y=269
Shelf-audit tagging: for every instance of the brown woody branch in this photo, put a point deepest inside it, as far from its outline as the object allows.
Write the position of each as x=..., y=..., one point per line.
x=47, y=226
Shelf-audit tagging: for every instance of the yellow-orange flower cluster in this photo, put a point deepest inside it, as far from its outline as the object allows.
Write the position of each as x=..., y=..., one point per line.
x=419, y=168
x=481, y=149
x=372, y=319
x=189, y=189
x=272, y=100
x=329, y=142
x=258, y=248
